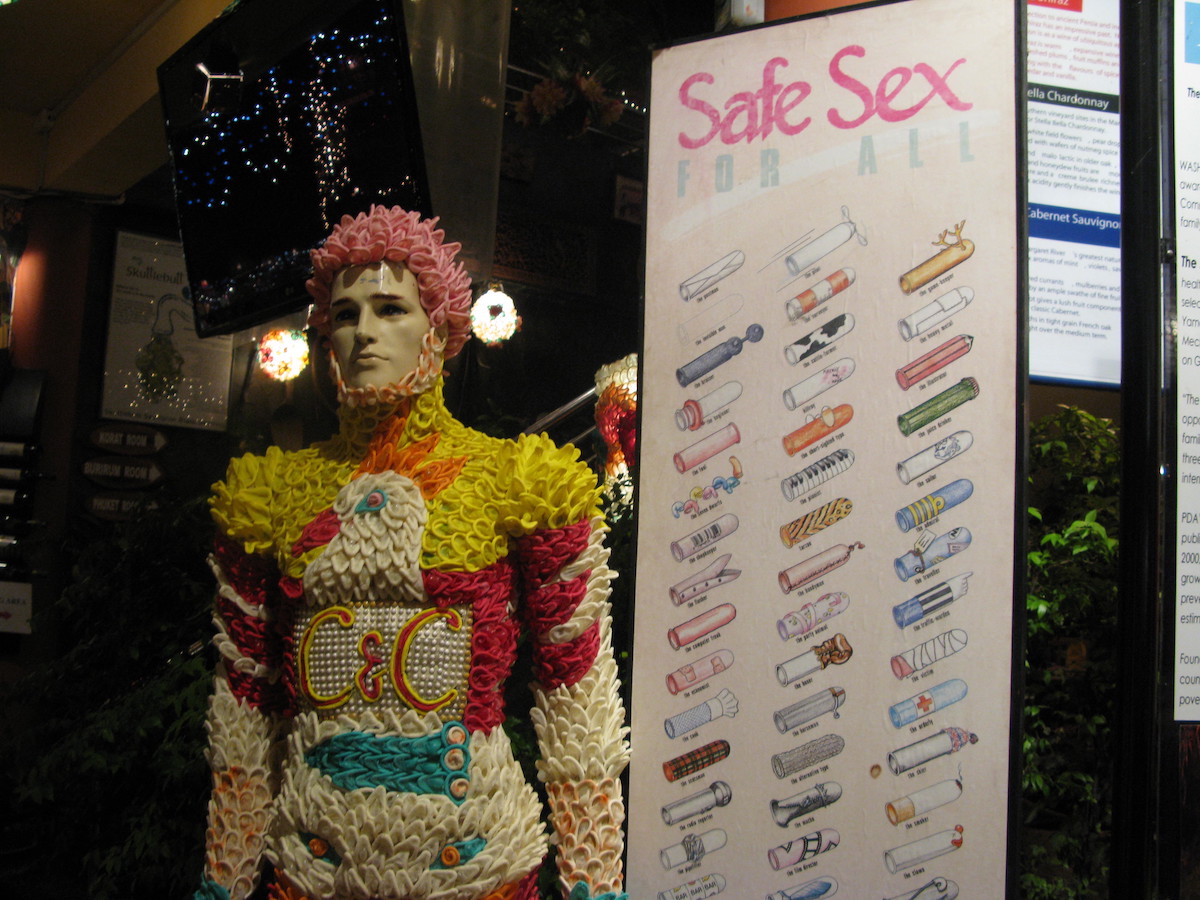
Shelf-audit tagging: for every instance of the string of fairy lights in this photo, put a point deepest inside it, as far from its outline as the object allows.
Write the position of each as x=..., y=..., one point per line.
x=301, y=139
x=287, y=119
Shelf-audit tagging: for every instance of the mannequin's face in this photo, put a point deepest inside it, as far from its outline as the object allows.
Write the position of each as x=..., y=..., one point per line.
x=377, y=323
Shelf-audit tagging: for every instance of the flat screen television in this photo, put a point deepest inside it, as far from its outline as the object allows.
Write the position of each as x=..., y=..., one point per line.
x=282, y=116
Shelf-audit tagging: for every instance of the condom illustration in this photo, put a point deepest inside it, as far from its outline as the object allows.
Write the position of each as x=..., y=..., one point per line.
x=818, y=428
x=933, y=314
x=933, y=361
x=803, y=848
x=695, y=760
x=821, y=246
x=693, y=848
x=930, y=600
x=717, y=356
x=707, y=886
x=815, y=521
x=817, y=889
x=818, y=339
x=834, y=652
x=809, y=300
x=927, y=555
x=925, y=800
x=817, y=797
x=799, y=394
x=829, y=700
x=922, y=510
x=927, y=702
x=945, y=742
x=807, y=755
x=815, y=566
x=704, y=537
x=818, y=473
x=710, y=275
x=707, y=322
x=957, y=250
x=704, y=581
x=694, y=414
x=937, y=406
x=706, y=492
x=928, y=652
x=933, y=456
x=909, y=855
x=706, y=448
x=724, y=704
x=700, y=671
x=936, y=889
x=707, y=622
x=810, y=615
x=716, y=794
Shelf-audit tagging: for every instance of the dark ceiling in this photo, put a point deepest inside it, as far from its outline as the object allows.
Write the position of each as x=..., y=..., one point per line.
x=79, y=107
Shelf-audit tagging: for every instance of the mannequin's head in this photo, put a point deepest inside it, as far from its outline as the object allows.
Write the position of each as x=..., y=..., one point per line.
x=377, y=325
x=405, y=239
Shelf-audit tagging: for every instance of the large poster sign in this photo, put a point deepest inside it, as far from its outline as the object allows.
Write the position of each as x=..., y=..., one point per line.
x=823, y=637
x=1186, y=178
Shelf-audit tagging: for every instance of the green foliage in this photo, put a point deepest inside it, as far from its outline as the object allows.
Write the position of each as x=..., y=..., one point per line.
x=1070, y=664
x=108, y=771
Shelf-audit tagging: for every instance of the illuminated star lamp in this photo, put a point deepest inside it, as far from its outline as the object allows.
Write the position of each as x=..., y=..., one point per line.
x=616, y=416
x=494, y=319
x=283, y=353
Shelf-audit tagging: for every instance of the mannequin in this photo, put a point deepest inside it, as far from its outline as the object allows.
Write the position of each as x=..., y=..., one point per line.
x=371, y=589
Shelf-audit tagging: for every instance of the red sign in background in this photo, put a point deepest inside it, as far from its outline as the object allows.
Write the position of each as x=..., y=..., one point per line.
x=1072, y=5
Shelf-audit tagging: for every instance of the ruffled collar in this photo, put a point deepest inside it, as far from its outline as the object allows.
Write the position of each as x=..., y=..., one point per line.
x=422, y=415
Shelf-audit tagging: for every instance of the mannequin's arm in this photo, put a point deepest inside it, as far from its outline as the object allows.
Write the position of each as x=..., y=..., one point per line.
x=579, y=717
x=248, y=697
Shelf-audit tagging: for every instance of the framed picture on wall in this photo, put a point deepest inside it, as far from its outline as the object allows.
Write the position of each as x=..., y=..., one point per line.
x=156, y=369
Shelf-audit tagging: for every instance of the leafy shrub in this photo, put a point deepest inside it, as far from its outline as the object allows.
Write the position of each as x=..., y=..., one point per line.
x=1070, y=665
x=107, y=772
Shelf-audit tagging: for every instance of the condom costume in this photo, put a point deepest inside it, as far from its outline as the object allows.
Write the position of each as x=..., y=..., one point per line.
x=371, y=590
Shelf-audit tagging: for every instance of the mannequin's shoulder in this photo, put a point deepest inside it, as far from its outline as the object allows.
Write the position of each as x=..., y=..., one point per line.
x=551, y=483
x=242, y=503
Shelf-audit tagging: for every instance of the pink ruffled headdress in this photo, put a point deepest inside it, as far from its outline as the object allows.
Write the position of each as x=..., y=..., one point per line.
x=398, y=236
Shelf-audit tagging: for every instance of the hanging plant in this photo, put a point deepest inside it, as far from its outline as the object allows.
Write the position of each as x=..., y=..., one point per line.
x=571, y=102
x=591, y=53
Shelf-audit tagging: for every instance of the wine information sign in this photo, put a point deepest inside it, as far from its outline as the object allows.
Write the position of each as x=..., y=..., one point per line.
x=1186, y=182
x=823, y=650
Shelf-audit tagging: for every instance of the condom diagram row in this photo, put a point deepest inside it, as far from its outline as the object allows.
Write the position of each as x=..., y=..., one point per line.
x=781, y=390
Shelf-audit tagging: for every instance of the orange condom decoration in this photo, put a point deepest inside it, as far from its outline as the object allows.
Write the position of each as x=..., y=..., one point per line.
x=616, y=415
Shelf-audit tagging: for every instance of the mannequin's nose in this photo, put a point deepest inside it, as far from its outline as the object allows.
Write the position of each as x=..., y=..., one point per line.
x=364, y=330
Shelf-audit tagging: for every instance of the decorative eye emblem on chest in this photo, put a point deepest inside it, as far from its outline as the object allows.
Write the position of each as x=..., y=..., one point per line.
x=373, y=502
x=320, y=848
